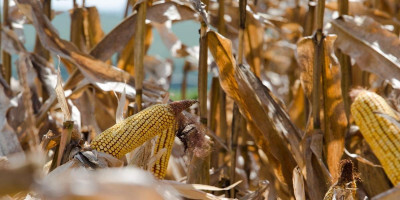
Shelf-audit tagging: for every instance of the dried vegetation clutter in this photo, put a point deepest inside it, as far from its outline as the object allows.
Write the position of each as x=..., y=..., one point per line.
x=297, y=99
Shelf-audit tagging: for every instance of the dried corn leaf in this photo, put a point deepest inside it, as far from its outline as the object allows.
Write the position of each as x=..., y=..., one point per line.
x=160, y=12
x=257, y=104
x=193, y=191
x=159, y=70
x=298, y=184
x=61, y=98
x=9, y=143
x=391, y=194
x=335, y=122
x=93, y=69
x=170, y=40
x=317, y=175
x=373, y=47
x=253, y=46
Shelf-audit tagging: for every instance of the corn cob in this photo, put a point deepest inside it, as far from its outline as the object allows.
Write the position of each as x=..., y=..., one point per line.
x=382, y=135
x=165, y=140
x=135, y=130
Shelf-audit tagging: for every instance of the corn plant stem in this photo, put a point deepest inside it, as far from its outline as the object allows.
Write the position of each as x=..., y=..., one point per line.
x=318, y=64
x=199, y=170
x=39, y=49
x=222, y=114
x=127, y=8
x=200, y=167
x=214, y=99
x=397, y=16
x=221, y=19
x=320, y=14
x=309, y=24
x=139, y=52
x=345, y=67
x=222, y=96
x=202, y=77
x=32, y=132
x=242, y=27
x=65, y=140
x=233, y=146
x=6, y=57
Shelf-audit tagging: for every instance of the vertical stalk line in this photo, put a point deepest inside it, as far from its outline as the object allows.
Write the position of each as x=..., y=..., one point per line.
x=127, y=8
x=345, y=67
x=212, y=122
x=140, y=31
x=237, y=125
x=320, y=14
x=310, y=19
x=39, y=49
x=6, y=57
x=318, y=64
x=397, y=16
x=242, y=27
x=199, y=169
x=221, y=19
x=222, y=96
x=202, y=77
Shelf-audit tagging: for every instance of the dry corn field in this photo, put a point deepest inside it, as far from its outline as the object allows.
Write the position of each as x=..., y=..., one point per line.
x=277, y=99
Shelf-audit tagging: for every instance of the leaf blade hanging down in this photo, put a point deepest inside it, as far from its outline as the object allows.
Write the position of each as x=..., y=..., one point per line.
x=374, y=48
x=335, y=118
x=260, y=109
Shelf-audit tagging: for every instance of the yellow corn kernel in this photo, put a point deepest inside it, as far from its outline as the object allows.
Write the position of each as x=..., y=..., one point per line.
x=382, y=135
x=165, y=140
x=132, y=132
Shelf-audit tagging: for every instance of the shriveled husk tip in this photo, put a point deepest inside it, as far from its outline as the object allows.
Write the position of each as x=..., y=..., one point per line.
x=179, y=106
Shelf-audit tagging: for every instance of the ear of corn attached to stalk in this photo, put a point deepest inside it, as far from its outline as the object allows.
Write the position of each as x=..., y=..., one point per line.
x=382, y=135
x=135, y=130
